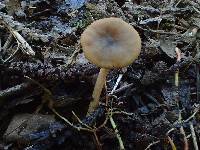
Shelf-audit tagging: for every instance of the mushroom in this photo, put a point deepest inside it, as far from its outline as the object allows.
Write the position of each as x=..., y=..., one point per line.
x=109, y=43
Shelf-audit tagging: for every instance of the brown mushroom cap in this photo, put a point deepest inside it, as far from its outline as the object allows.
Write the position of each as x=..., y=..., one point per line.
x=111, y=43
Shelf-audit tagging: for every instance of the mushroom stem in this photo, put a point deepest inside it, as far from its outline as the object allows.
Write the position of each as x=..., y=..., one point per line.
x=97, y=89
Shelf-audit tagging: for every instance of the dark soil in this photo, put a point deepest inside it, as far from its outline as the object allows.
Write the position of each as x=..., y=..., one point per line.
x=46, y=87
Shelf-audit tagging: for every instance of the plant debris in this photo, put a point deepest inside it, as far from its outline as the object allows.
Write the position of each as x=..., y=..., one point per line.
x=46, y=83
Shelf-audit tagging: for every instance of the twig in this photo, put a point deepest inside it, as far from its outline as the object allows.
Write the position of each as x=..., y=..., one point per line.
x=69, y=123
x=168, y=132
x=171, y=143
x=177, y=72
x=79, y=120
x=122, y=112
x=177, y=3
x=151, y=144
x=94, y=130
x=197, y=74
x=170, y=140
x=78, y=127
x=194, y=138
x=178, y=52
x=117, y=83
x=186, y=145
x=121, y=144
x=99, y=145
x=117, y=133
x=192, y=116
x=86, y=128
x=123, y=88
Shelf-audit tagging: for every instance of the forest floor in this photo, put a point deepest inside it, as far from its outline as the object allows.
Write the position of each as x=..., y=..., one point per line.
x=46, y=83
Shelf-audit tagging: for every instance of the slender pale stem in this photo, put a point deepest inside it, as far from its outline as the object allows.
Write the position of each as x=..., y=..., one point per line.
x=97, y=89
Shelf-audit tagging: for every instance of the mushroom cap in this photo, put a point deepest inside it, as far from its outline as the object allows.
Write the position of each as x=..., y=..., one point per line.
x=111, y=43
